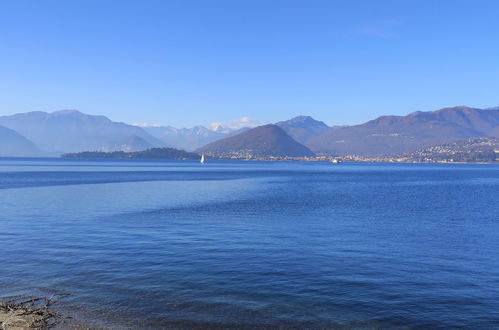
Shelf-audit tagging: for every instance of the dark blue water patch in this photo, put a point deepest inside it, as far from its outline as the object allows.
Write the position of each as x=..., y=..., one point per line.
x=362, y=247
x=52, y=178
x=221, y=171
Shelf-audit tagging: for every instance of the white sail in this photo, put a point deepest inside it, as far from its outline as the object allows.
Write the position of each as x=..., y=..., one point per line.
x=202, y=159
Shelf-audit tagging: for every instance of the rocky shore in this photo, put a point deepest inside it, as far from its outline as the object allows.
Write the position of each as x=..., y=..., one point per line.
x=33, y=313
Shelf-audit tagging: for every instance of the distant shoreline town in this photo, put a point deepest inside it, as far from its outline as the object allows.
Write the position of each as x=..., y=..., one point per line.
x=457, y=134
x=476, y=150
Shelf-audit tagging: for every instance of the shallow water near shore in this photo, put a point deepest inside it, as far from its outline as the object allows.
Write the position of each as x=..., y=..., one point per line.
x=149, y=244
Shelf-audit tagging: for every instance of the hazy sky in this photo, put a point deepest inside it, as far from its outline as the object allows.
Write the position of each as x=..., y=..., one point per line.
x=186, y=62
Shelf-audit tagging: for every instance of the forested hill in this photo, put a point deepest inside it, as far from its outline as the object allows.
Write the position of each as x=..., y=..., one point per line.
x=154, y=153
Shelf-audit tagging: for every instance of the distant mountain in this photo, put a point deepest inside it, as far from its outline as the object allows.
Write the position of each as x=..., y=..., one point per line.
x=228, y=128
x=222, y=129
x=131, y=143
x=73, y=131
x=303, y=128
x=238, y=131
x=262, y=141
x=154, y=153
x=184, y=138
x=189, y=138
x=392, y=135
x=14, y=144
x=482, y=149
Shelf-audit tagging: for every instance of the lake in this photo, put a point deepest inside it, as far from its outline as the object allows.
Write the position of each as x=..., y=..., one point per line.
x=242, y=244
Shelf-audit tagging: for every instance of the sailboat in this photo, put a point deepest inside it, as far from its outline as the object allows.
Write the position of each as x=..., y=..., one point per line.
x=202, y=159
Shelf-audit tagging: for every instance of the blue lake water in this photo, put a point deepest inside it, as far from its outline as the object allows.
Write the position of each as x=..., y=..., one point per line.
x=148, y=244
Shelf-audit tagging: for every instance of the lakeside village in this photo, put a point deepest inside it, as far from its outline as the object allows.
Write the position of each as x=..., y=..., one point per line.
x=415, y=157
x=361, y=159
x=473, y=150
x=421, y=157
x=353, y=159
x=476, y=150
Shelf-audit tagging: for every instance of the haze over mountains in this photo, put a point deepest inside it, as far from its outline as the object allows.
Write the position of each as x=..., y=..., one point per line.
x=70, y=131
x=40, y=133
x=13, y=143
x=189, y=138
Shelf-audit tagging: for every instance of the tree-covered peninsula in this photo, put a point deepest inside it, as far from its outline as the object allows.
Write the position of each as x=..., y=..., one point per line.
x=154, y=153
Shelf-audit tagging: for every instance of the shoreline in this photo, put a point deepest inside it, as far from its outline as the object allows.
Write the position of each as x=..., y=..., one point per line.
x=346, y=160
x=33, y=313
x=19, y=316
x=40, y=313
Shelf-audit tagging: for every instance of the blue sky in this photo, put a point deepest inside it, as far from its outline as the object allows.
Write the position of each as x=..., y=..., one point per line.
x=187, y=62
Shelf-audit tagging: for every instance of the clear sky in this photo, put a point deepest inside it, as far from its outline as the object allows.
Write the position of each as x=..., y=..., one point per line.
x=187, y=62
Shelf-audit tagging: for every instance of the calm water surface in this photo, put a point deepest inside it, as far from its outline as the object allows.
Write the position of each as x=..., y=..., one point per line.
x=251, y=244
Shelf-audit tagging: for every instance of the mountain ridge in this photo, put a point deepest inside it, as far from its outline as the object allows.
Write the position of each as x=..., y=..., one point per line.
x=303, y=128
x=391, y=135
x=189, y=138
x=388, y=135
x=262, y=141
x=14, y=144
x=72, y=131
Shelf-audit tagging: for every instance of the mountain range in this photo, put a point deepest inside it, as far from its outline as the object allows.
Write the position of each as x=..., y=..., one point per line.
x=73, y=131
x=392, y=135
x=189, y=138
x=42, y=133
